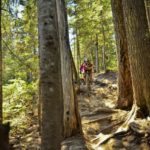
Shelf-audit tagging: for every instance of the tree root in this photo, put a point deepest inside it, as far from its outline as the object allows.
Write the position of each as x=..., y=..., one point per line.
x=106, y=110
x=92, y=120
x=100, y=111
x=140, y=126
x=101, y=138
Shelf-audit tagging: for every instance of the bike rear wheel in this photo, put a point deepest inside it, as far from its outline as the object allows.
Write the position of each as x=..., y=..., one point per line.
x=88, y=82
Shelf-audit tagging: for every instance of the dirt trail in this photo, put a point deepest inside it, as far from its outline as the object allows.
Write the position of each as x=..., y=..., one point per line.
x=100, y=118
x=94, y=107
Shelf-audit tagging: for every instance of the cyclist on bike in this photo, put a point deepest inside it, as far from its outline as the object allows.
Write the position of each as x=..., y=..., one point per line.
x=86, y=67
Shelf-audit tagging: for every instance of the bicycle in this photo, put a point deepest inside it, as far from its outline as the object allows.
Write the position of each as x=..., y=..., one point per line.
x=88, y=81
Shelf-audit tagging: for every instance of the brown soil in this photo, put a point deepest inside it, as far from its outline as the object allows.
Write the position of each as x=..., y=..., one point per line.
x=100, y=119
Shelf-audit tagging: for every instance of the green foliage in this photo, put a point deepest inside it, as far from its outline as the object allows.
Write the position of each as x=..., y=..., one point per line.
x=20, y=43
x=88, y=19
x=19, y=101
x=20, y=61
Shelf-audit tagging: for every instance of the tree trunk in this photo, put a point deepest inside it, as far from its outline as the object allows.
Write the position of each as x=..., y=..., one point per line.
x=1, y=94
x=139, y=51
x=76, y=75
x=96, y=54
x=69, y=70
x=74, y=70
x=4, y=136
x=103, y=58
x=50, y=77
x=78, y=51
x=59, y=117
x=147, y=6
x=125, y=92
x=104, y=43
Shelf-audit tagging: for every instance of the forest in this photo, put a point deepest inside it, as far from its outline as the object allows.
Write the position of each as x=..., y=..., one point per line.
x=74, y=74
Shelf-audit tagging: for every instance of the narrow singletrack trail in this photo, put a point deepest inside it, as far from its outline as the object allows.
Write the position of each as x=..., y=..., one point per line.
x=101, y=120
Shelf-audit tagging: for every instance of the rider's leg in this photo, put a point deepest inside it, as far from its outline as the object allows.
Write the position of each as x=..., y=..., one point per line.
x=89, y=81
x=84, y=77
x=91, y=77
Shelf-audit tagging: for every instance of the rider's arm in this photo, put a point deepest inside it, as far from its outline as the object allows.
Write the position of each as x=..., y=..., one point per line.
x=89, y=67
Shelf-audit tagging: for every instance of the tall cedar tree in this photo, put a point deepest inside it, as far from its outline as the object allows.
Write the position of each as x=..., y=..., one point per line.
x=125, y=92
x=138, y=40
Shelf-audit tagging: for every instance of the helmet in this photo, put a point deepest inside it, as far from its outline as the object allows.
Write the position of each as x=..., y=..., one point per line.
x=85, y=59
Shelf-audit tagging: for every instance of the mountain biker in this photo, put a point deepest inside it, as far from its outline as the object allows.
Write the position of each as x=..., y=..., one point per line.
x=86, y=67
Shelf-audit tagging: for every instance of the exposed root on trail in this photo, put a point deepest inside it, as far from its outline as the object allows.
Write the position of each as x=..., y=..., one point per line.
x=101, y=138
x=97, y=116
x=106, y=110
x=103, y=130
x=96, y=119
x=141, y=126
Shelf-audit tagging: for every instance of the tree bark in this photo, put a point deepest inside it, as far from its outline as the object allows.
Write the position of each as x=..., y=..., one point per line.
x=1, y=94
x=4, y=136
x=147, y=6
x=125, y=92
x=76, y=75
x=103, y=58
x=96, y=54
x=139, y=51
x=50, y=77
x=104, y=43
x=78, y=50
x=74, y=70
x=71, y=117
x=59, y=115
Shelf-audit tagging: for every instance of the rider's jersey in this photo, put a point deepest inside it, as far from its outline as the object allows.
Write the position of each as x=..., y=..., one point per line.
x=86, y=67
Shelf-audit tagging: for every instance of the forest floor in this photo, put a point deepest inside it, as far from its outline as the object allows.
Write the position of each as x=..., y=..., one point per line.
x=99, y=119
